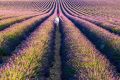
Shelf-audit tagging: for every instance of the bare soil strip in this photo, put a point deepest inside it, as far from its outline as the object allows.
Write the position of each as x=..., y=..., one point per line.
x=55, y=70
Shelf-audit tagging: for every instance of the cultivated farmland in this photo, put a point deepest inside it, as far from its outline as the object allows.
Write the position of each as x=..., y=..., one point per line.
x=59, y=40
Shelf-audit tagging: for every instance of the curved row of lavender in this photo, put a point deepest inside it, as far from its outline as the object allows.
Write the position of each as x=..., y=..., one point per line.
x=17, y=32
x=7, y=20
x=95, y=8
x=106, y=42
x=39, y=6
x=12, y=20
x=112, y=26
x=31, y=58
x=19, y=8
x=80, y=59
x=4, y=23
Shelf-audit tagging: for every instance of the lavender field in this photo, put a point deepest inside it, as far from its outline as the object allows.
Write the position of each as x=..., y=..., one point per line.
x=59, y=40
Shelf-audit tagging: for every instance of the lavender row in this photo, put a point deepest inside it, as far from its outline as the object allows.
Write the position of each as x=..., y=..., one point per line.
x=80, y=59
x=106, y=42
x=104, y=24
x=7, y=22
x=31, y=58
x=12, y=36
